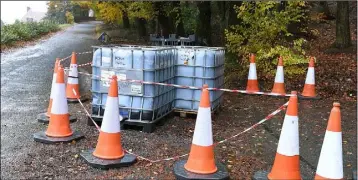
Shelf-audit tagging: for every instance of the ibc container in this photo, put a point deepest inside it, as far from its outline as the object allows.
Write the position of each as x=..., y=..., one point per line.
x=196, y=66
x=137, y=102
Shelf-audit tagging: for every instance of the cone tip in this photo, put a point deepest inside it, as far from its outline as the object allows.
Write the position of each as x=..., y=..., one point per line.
x=252, y=58
x=336, y=104
x=113, y=89
x=280, y=61
x=311, y=63
x=294, y=92
x=205, y=97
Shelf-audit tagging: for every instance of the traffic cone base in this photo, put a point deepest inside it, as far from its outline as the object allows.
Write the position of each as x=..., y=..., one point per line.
x=69, y=91
x=125, y=161
x=43, y=138
x=181, y=173
x=60, y=127
x=108, y=146
x=252, y=86
x=279, y=88
x=196, y=164
x=309, y=91
x=289, y=163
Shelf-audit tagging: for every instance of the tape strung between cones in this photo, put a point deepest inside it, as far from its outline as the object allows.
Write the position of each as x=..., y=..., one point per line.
x=268, y=117
x=59, y=129
x=68, y=57
x=193, y=87
x=109, y=152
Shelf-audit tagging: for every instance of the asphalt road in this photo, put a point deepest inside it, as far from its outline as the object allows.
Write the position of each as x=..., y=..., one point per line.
x=25, y=88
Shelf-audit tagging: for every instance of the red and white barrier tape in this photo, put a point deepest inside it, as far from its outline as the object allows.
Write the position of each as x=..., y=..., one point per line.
x=68, y=57
x=220, y=142
x=85, y=64
x=88, y=114
x=192, y=87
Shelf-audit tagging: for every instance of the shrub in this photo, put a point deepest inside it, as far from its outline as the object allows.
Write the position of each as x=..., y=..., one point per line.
x=20, y=31
x=263, y=30
x=69, y=17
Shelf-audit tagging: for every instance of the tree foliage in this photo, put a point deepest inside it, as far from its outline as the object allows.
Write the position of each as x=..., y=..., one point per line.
x=263, y=30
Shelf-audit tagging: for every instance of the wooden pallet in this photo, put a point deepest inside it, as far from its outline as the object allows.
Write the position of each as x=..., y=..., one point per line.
x=183, y=113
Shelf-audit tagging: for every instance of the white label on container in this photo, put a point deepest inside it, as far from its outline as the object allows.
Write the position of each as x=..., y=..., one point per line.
x=106, y=60
x=122, y=76
x=136, y=89
x=105, y=75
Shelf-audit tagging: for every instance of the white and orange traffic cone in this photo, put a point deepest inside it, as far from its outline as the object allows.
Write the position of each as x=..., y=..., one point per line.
x=45, y=117
x=330, y=163
x=72, y=81
x=287, y=161
x=309, y=90
x=59, y=129
x=279, y=86
x=252, y=83
x=201, y=161
x=109, y=152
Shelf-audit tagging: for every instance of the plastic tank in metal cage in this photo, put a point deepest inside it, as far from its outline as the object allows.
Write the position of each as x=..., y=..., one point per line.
x=138, y=102
x=196, y=66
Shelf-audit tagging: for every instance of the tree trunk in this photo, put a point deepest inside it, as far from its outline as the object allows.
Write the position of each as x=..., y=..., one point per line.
x=125, y=20
x=140, y=22
x=325, y=9
x=233, y=20
x=162, y=18
x=179, y=29
x=343, y=36
x=203, y=28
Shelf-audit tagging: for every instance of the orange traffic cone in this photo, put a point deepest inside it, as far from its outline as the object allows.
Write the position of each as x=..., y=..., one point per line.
x=59, y=129
x=72, y=81
x=279, y=86
x=44, y=117
x=309, y=90
x=330, y=163
x=109, y=152
x=287, y=160
x=201, y=159
x=252, y=83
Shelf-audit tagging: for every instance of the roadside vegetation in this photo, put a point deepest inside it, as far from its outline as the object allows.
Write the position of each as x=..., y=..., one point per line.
x=20, y=31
